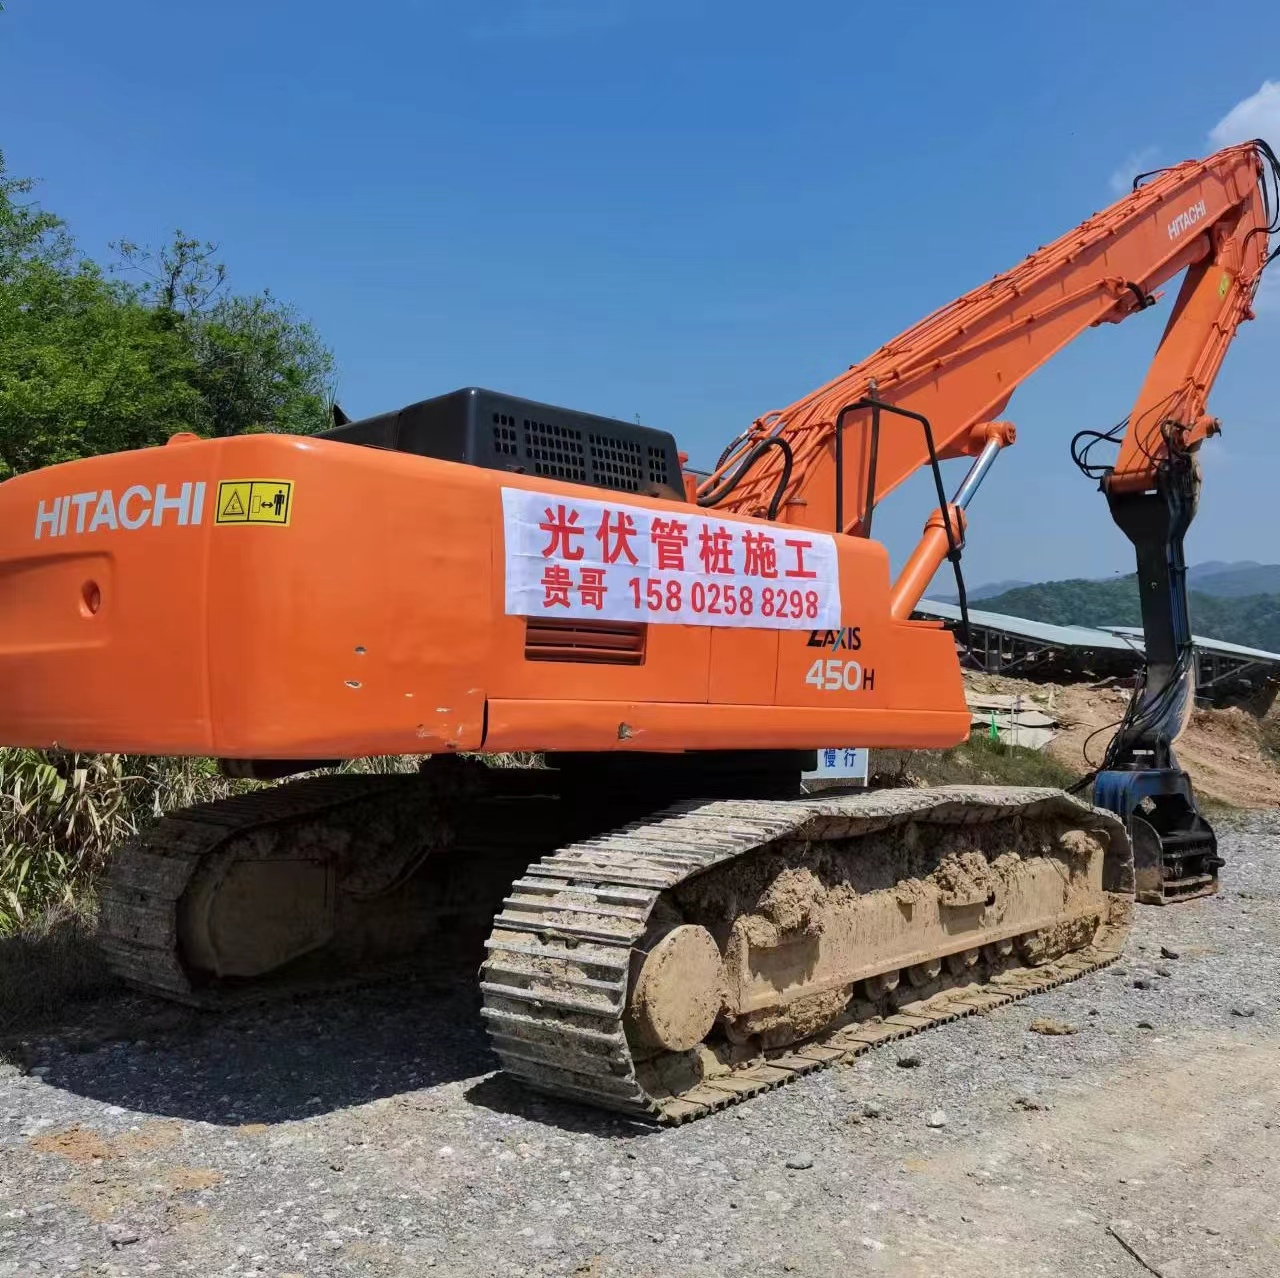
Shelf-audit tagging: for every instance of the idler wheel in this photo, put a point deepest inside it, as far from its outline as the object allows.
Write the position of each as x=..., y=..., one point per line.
x=680, y=989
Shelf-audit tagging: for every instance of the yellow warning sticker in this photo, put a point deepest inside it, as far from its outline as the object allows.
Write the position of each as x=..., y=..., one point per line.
x=254, y=501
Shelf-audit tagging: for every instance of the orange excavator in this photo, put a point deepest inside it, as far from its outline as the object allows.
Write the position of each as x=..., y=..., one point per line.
x=673, y=925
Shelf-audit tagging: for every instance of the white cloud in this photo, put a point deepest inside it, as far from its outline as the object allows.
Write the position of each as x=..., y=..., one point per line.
x=1258, y=116
x=1121, y=180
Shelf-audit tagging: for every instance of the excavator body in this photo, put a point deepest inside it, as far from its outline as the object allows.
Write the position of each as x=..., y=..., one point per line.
x=364, y=612
x=672, y=924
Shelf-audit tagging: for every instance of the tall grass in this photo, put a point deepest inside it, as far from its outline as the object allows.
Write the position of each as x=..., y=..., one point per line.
x=61, y=814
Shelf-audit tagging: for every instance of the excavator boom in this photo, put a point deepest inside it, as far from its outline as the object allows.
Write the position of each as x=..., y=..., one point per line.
x=959, y=367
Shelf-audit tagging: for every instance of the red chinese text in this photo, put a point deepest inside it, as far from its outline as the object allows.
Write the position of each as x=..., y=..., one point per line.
x=591, y=587
x=615, y=538
x=556, y=581
x=561, y=528
x=716, y=550
x=761, y=556
x=670, y=539
x=799, y=547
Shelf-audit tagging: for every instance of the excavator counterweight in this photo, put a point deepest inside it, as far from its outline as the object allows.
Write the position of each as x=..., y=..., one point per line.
x=672, y=924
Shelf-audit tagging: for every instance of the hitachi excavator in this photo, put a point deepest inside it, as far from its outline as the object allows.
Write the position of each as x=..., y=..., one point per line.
x=673, y=925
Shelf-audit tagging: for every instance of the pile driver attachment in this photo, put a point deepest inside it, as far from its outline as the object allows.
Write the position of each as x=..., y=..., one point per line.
x=1174, y=847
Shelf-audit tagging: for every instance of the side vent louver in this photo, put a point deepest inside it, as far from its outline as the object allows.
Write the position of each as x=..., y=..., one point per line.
x=612, y=643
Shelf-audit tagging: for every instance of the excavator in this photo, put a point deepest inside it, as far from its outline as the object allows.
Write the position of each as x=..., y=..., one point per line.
x=615, y=673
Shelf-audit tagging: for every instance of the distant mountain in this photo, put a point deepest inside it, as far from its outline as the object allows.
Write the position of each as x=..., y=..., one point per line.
x=1212, y=567
x=1253, y=620
x=1215, y=577
x=1232, y=581
x=974, y=593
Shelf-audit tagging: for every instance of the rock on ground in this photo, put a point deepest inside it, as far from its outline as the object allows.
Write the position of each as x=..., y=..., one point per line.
x=365, y=1134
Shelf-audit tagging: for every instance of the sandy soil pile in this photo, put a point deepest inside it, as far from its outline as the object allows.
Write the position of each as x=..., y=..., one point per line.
x=1221, y=749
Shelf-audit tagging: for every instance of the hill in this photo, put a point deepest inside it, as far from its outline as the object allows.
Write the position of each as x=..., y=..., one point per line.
x=1214, y=577
x=1253, y=620
x=1233, y=581
x=989, y=590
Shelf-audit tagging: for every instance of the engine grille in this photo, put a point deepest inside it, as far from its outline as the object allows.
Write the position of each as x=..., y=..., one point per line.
x=613, y=643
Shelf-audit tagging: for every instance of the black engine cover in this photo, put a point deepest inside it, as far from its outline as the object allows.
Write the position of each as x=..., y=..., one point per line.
x=501, y=432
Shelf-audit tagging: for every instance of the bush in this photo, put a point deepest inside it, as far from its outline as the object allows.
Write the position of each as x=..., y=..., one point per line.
x=61, y=814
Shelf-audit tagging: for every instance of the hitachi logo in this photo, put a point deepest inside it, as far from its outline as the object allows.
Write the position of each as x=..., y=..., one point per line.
x=136, y=507
x=1186, y=219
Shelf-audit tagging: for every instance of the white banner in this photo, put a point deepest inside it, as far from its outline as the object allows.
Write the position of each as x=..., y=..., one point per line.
x=579, y=557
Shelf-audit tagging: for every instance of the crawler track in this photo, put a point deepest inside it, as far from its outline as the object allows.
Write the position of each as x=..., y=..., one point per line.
x=567, y=941
x=138, y=920
x=555, y=982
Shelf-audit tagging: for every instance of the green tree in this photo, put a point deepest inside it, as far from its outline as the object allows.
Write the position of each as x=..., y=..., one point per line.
x=94, y=362
x=83, y=368
x=257, y=365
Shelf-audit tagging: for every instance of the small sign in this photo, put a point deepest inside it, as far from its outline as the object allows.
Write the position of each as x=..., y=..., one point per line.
x=254, y=501
x=843, y=763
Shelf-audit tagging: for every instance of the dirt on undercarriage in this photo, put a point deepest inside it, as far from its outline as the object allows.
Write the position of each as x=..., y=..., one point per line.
x=1227, y=752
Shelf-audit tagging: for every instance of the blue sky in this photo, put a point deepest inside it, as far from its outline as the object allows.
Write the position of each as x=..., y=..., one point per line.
x=692, y=212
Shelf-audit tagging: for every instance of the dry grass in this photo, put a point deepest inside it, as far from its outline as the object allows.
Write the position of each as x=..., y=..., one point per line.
x=48, y=964
x=979, y=761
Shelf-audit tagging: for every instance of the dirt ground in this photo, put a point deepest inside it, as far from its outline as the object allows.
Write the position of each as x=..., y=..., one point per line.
x=366, y=1133
x=1222, y=750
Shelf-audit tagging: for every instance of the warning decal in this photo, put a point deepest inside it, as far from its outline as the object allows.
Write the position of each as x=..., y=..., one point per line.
x=254, y=501
x=582, y=557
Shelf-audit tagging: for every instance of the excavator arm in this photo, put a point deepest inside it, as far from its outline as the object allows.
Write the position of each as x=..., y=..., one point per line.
x=935, y=392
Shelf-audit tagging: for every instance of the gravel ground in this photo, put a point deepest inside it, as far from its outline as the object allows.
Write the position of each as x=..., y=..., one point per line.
x=365, y=1133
